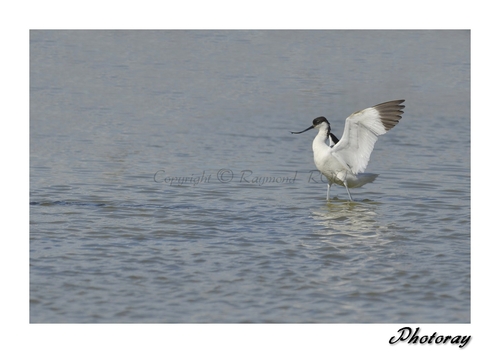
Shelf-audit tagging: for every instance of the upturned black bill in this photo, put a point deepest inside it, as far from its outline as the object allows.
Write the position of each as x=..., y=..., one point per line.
x=309, y=128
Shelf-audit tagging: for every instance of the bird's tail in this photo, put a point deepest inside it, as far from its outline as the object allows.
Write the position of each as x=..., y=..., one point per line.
x=356, y=181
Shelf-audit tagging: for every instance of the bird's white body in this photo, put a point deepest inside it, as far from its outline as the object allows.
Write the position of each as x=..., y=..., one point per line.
x=333, y=166
x=345, y=162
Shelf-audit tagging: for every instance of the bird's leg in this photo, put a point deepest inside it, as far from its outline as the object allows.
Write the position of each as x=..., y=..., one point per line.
x=348, y=193
x=328, y=193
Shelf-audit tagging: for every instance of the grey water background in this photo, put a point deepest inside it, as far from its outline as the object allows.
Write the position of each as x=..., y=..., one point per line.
x=165, y=185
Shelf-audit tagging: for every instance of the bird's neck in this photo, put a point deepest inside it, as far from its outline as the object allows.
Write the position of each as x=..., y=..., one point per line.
x=321, y=140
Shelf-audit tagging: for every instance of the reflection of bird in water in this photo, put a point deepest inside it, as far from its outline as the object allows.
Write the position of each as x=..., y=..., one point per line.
x=348, y=219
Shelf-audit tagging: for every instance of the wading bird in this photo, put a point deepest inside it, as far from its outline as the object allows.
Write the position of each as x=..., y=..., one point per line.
x=343, y=161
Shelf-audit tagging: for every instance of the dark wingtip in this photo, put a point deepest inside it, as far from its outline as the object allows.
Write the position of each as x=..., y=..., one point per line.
x=390, y=113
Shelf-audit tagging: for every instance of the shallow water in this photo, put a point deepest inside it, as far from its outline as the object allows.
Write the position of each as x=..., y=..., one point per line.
x=165, y=185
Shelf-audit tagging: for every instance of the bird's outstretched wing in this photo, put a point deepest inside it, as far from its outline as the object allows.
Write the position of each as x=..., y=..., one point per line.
x=361, y=131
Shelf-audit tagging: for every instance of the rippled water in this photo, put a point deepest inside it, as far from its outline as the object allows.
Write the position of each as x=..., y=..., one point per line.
x=165, y=185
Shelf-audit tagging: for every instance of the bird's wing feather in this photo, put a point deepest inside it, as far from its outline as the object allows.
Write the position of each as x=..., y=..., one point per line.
x=361, y=131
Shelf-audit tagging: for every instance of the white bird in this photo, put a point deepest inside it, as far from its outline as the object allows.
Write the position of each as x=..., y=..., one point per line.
x=343, y=161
